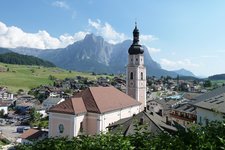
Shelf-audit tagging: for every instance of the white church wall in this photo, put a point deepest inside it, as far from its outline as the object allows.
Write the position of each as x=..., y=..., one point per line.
x=57, y=119
x=110, y=117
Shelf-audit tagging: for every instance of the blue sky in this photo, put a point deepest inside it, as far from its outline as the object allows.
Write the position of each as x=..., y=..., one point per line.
x=179, y=34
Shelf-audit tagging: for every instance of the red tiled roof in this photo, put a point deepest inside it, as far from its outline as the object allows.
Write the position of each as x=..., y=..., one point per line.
x=32, y=134
x=97, y=100
x=4, y=104
x=70, y=106
x=110, y=98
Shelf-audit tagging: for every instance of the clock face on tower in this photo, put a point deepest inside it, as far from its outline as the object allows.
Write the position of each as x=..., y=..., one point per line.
x=131, y=83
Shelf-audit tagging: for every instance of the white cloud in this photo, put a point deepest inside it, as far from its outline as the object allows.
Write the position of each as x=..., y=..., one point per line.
x=111, y=35
x=68, y=39
x=12, y=37
x=209, y=56
x=147, y=38
x=106, y=31
x=61, y=4
x=153, y=50
x=173, y=65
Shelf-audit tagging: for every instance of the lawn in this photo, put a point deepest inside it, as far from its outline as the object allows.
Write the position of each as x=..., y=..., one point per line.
x=25, y=77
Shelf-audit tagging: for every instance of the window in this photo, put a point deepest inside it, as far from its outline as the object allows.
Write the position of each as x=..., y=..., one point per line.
x=141, y=121
x=136, y=59
x=131, y=76
x=200, y=120
x=207, y=121
x=81, y=127
x=61, y=128
x=141, y=75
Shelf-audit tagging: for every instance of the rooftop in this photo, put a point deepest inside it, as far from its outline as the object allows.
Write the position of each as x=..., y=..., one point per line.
x=210, y=94
x=52, y=100
x=32, y=134
x=155, y=124
x=97, y=100
x=215, y=103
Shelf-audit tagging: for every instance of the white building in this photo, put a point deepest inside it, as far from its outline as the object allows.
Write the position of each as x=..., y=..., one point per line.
x=136, y=71
x=32, y=135
x=90, y=112
x=211, y=106
x=4, y=107
x=6, y=95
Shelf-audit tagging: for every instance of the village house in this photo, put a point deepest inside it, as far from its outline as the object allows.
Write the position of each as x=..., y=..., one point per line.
x=5, y=95
x=210, y=106
x=159, y=106
x=153, y=123
x=184, y=114
x=32, y=135
x=4, y=108
x=51, y=101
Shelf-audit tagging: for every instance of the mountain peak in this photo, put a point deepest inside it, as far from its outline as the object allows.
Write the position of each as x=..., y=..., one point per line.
x=93, y=38
x=184, y=72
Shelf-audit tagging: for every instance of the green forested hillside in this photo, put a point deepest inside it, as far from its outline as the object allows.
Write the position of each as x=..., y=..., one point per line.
x=217, y=77
x=14, y=58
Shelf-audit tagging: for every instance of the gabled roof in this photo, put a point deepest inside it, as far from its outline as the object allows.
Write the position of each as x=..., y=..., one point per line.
x=215, y=103
x=186, y=107
x=109, y=98
x=209, y=94
x=154, y=124
x=96, y=100
x=53, y=100
x=213, y=100
x=71, y=106
x=33, y=134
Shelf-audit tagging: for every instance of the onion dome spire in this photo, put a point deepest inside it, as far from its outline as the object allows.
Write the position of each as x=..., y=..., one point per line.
x=135, y=48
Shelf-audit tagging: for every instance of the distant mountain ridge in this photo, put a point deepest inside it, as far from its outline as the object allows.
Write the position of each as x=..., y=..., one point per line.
x=9, y=57
x=184, y=72
x=93, y=54
x=217, y=77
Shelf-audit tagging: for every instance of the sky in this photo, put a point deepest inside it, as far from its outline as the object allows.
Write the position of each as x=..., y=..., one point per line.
x=179, y=34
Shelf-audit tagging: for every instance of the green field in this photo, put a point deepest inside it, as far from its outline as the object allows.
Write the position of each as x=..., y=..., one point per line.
x=26, y=77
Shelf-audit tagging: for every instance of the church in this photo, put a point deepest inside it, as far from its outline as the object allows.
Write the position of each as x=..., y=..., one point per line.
x=91, y=111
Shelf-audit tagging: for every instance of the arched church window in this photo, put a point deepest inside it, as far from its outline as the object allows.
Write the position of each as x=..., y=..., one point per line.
x=141, y=75
x=131, y=76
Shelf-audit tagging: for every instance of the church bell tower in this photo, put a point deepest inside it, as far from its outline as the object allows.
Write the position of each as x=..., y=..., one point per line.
x=136, y=71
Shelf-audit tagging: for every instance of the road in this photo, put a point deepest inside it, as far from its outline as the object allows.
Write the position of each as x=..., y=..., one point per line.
x=10, y=133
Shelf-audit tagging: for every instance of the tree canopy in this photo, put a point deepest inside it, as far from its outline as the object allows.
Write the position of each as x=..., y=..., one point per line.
x=14, y=58
x=198, y=137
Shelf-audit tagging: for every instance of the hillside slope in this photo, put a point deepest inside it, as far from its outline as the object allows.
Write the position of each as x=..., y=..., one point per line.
x=25, y=77
x=15, y=58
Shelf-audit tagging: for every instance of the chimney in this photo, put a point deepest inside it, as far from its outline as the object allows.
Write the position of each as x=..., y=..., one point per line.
x=167, y=120
x=145, y=109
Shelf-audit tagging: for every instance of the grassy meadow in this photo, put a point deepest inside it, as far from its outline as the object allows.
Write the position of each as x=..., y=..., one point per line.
x=25, y=77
